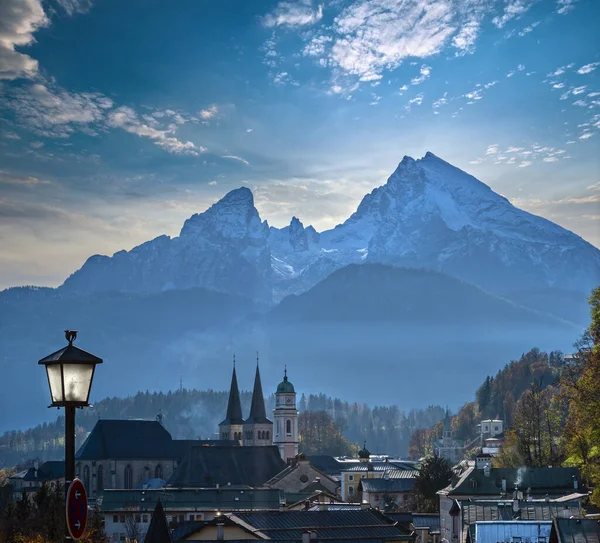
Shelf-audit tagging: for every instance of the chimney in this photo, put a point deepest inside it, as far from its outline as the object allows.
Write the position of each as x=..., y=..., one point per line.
x=503, y=484
x=487, y=470
x=306, y=536
x=575, y=483
x=220, y=531
x=516, y=507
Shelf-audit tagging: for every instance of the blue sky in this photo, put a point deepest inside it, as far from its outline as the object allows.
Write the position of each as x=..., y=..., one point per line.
x=119, y=119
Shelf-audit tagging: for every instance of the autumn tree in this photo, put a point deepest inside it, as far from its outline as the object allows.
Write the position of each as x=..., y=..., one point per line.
x=434, y=475
x=582, y=385
x=318, y=434
x=421, y=443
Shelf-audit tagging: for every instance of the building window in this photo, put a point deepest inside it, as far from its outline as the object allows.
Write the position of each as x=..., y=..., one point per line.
x=144, y=518
x=351, y=490
x=121, y=519
x=158, y=471
x=100, y=478
x=267, y=434
x=86, y=478
x=350, y=477
x=128, y=477
x=138, y=518
x=288, y=427
x=115, y=519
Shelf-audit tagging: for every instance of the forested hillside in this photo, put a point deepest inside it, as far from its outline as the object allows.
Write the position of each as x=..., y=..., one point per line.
x=188, y=414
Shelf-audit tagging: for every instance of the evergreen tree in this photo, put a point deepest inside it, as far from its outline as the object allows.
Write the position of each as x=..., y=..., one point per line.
x=434, y=475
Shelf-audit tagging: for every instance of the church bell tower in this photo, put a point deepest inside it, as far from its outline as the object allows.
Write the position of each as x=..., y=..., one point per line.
x=285, y=414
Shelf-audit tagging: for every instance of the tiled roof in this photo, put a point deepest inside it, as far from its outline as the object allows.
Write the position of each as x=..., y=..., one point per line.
x=423, y=520
x=333, y=524
x=225, y=499
x=333, y=466
x=390, y=469
x=494, y=511
x=209, y=466
x=568, y=530
x=386, y=485
x=540, y=480
x=528, y=532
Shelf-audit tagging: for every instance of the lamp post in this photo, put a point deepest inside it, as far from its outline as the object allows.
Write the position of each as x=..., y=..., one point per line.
x=70, y=373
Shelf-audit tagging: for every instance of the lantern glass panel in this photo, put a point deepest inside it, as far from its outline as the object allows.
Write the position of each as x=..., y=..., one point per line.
x=78, y=380
x=54, y=378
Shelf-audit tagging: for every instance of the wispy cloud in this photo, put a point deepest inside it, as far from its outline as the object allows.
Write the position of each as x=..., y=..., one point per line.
x=300, y=13
x=513, y=9
x=564, y=6
x=588, y=68
x=125, y=118
x=75, y=6
x=424, y=74
x=238, y=158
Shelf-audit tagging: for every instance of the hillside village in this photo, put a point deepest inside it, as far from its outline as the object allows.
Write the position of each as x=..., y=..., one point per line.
x=249, y=482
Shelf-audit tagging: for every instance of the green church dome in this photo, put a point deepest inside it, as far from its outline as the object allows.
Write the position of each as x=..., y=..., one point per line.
x=285, y=387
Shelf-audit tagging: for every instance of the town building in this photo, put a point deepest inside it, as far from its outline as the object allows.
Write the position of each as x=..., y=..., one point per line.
x=512, y=494
x=257, y=430
x=387, y=493
x=575, y=530
x=128, y=513
x=300, y=477
x=51, y=473
x=128, y=454
x=523, y=531
x=324, y=524
x=449, y=448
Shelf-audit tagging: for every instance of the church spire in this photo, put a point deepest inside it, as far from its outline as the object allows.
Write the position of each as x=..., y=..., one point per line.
x=258, y=413
x=234, y=406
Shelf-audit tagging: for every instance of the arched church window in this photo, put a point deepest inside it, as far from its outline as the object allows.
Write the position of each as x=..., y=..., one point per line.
x=158, y=471
x=86, y=478
x=100, y=478
x=288, y=427
x=267, y=434
x=128, y=477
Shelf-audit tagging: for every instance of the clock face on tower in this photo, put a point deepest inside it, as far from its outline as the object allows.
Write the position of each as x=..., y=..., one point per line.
x=288, y=401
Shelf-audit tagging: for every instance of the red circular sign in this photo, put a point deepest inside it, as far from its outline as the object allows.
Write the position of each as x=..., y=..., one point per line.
x=77, y=509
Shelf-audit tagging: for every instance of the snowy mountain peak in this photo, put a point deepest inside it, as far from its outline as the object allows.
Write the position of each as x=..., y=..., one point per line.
x=233, y=216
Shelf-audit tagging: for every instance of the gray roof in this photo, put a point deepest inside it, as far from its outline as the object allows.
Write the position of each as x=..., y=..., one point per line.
x=387, y=485
x=495, y=531
x=224, y=499
x=234, y=405
x=343, y=525
x=48, y=471
x=566, y=530
x=209, y=466
x=158, y=531
x=424, y=520
x=258, y=414
x=332, y=466
x=541, y=481
x=495, y=511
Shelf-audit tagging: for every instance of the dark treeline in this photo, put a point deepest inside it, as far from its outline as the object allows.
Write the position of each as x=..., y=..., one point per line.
x=190, y=413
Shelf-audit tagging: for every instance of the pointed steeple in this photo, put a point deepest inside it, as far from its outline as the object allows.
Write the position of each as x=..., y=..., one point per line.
x=234, y=406
x=158, y=531
x=258, y=414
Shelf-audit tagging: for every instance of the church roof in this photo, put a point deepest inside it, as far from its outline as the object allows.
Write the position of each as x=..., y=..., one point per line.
x=258, y=414
x=285, y=387
x=234, y=406
x=127, y=439
x=209, y=466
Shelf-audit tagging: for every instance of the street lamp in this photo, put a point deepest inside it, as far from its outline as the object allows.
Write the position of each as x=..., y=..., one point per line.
x=70, y=373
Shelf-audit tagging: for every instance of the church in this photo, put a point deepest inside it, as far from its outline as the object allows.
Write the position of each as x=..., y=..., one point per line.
x=257, y=429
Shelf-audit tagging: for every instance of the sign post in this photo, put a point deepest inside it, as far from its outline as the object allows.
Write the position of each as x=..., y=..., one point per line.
x=76, y=509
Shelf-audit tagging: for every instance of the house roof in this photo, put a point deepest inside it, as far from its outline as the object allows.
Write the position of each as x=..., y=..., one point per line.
x=503, y=510
x=386, y=485
x=390, y=469
x=228, y=498
x=158, y=531
x=540, y=480
x=48, y=471
x=258, y=414
x=234, y=405
x=334, y=466
x=356, y=524
x=495, y=531
x=209, y=466
x=294, y=467
x=425, y=520
x=577, y=530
